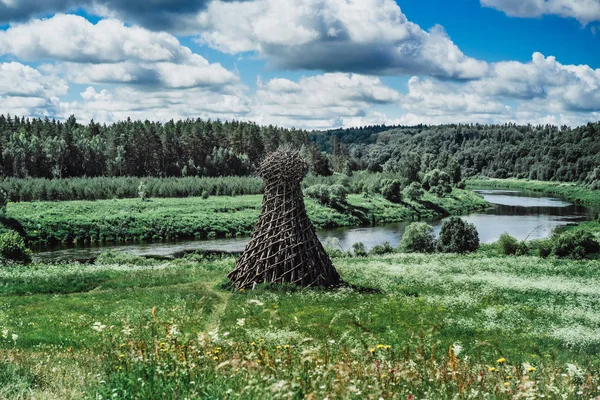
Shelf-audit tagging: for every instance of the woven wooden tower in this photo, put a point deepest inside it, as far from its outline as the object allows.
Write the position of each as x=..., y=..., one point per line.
x=284, y=247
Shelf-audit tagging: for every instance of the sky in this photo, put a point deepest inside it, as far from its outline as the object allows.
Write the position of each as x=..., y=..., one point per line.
x=309, y=64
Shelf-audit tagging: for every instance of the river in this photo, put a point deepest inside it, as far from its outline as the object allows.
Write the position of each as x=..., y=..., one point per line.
x=524, y=215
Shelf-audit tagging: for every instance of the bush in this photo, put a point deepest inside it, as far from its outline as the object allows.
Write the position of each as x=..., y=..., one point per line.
x=334, y=195
x=13, y=248
x=458, y=236
x=437, y=182
x=575, y=244
x=392, y=191
x=3, y=202
x=381, y=249
x=522, y=248
x=418, y=237
x=414, y=191
x=359, y=250
x=545, y=248
x=508, y=244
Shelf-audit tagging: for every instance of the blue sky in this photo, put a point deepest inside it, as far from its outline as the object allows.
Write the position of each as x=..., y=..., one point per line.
x=312, y=64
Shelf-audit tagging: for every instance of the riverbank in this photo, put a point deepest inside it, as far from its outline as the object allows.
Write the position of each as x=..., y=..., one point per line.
x=131, y=220
x=570, y=191
x=426, y=326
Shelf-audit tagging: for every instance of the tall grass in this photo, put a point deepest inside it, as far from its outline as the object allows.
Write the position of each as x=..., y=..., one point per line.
x=103, y=188
x=414, y=326
x=23, y=190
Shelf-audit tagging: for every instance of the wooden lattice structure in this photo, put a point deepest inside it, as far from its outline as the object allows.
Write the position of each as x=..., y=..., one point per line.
x=284, y=247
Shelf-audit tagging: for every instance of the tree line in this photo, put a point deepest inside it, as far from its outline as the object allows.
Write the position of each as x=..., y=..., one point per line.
x=541, y=152
x=44, y=148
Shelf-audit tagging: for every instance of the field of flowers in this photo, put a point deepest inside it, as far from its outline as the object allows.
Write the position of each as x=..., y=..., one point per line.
x=410, y=327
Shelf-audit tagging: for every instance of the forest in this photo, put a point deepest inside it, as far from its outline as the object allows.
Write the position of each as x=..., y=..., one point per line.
x=43, y=148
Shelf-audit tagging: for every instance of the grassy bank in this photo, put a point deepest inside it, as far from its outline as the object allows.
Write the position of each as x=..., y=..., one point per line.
x=571, y=191
x=436, y=326
x=122, y=220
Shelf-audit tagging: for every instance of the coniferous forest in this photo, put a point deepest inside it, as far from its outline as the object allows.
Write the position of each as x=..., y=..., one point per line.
x=43, y=148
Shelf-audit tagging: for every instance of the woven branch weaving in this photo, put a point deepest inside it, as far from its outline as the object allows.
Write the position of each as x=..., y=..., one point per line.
x=284, y=247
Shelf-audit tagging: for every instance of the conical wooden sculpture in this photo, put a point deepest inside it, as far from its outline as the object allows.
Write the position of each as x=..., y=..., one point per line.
x=284, y=247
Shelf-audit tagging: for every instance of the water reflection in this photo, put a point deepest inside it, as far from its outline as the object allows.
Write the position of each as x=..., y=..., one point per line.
x=524, y=215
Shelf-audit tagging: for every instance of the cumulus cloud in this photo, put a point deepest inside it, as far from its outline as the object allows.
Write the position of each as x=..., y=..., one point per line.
x=540, y=91
x=111, y=52
x=120, y=103
x=320, y=101
x=18, y=80
x=171, y=15
x=26, y=91
x=585, y=11
x=363, y=36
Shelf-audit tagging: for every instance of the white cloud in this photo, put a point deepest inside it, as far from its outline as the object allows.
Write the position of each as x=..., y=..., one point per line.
x=26, y=91
x=111, y=52
x=74, y=38
x=320, y=101
x=120, y=103
x=21, y=80
x=363, y=36
x=585, y=11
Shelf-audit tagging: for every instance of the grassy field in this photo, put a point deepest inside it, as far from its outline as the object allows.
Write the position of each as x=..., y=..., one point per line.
x=571, y=191
x=422, y=326
x=122, y=220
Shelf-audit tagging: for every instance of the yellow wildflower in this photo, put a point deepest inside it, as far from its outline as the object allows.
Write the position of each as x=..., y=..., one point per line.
x=372, y=350
x=287, y=346
x=501, y=360
x=380, y=346
x=531, y=369
x=278, y=347
x=253, y=344
x=215, y=358
x=387, y=347
x=491, y=369
x=506, y=383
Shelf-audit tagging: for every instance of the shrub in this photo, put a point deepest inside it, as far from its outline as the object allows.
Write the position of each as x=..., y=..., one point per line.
x=414, y=191
x=522, y=248
x=359, y=250
x=333, y=248
x=143, y=191
x=13, y=248
x=334, y=195
x=437, y=182
x=392, y=191
x=205, y=195
x=458, y=236
x=545, y=248
x=575, y=244
x=508, y=244
x=380, y=249
x=418, y=237
x=3, y=202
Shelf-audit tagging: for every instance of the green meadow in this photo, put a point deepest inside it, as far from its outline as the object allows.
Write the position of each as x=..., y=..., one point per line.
x=130, y=220
x=409, y=326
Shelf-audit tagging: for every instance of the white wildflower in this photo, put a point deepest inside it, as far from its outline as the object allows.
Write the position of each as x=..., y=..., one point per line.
x=456, y=348
x=98, y=327
x=14, y=337
x=173, y=331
